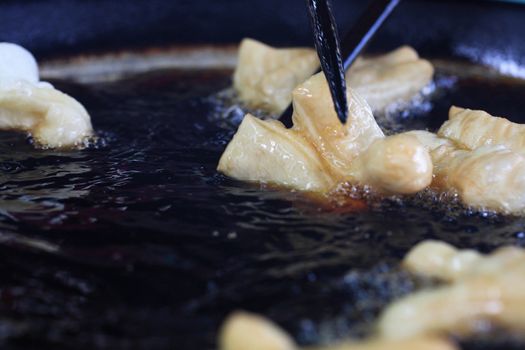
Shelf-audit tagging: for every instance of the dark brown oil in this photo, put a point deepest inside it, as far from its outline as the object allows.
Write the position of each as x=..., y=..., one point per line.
x=139, y=244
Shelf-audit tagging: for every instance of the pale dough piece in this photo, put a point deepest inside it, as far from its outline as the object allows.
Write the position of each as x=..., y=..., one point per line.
x=265, y=76
x=487, y=288
x=245, y=331
x=52, y=118
x=320, y=152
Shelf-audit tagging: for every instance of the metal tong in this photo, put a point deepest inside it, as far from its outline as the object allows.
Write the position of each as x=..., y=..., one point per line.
x=335, y=61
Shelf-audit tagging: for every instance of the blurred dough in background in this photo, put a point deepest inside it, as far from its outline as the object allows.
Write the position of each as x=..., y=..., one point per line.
x=246, y=331
x=265, y=76
x=483, y=292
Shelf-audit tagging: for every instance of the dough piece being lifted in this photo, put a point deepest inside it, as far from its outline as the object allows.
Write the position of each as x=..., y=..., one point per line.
x=244, y=331
x=265, y=76
x=319, y=152
x=52, y=118
x=484, y=289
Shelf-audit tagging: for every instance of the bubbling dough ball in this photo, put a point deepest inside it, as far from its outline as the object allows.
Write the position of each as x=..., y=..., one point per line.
x=397, y=164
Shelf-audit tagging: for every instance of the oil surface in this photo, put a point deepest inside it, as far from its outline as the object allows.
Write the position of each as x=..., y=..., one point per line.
x=140, y=244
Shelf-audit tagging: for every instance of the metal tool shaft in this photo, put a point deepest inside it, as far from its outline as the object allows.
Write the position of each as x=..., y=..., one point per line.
x=326, y=41
x=357, y=38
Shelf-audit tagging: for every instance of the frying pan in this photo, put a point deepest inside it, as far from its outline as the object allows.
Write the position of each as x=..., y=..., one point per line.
x=137, y=242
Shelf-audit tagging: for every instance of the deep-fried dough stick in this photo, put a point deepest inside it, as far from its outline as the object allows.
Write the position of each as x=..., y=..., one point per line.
x=484, y=288
x=244, y=331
